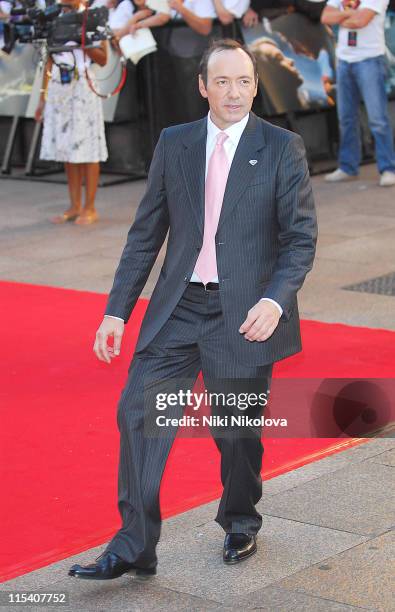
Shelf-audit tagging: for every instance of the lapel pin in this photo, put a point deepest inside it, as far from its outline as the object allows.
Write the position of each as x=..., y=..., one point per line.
x=253, y=162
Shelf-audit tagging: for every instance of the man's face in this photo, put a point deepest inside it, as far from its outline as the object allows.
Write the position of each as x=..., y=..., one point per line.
x=230, y=87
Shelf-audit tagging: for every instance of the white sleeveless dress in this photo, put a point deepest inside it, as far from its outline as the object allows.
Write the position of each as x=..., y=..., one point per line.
x=73, y=124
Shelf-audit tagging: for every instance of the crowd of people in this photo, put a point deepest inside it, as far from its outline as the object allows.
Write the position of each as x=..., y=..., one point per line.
x=73, y=124
x=127, y=16
x=72, y=115
x=73, y=130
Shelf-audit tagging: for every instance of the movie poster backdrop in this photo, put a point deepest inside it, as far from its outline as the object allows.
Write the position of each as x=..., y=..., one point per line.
x=296, y=63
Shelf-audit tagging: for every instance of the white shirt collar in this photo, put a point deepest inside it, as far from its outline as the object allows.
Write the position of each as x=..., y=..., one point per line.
x=234, y=132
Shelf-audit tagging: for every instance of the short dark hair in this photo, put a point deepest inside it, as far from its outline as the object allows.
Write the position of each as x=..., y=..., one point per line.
x=224, y=44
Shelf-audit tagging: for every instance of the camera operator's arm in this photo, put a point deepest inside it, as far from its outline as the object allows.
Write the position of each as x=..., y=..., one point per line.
x=98, y=54
x=46, y=74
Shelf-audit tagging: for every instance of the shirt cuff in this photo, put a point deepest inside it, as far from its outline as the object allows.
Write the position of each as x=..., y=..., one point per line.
x=112, y=317
x=273, y=302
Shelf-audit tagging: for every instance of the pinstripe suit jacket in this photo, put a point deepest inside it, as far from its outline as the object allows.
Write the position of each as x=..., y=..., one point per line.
x=265, y=242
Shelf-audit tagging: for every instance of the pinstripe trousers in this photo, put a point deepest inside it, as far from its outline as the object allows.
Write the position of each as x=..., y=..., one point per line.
x=193, y=339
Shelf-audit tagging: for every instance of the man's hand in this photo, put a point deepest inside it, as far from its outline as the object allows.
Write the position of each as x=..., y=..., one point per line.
x=109, y=328
x=261, y=321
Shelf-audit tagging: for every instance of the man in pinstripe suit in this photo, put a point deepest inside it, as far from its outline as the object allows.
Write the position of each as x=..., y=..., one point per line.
x=225, y=301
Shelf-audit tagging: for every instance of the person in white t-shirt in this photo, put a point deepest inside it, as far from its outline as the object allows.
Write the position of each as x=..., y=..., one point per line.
x=198, y=14
x=361, y=73
x=228, y=10
x=119, y=13
x=144, y=17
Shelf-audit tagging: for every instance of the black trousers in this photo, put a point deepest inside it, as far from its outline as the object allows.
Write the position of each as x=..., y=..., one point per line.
x=194, y=339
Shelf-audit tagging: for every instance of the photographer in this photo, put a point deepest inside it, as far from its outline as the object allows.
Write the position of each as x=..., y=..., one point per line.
x=73, y=130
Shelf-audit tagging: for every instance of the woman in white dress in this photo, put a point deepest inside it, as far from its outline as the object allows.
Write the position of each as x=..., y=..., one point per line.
x=73, y=130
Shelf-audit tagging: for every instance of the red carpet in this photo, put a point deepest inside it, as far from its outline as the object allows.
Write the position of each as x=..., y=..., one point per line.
x=59, y=440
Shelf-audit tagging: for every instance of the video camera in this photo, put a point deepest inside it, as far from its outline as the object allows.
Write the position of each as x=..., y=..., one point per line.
x=51, y=26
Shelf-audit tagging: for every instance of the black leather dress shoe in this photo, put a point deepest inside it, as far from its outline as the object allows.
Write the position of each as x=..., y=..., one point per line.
x=238, y=546
x=109, y=565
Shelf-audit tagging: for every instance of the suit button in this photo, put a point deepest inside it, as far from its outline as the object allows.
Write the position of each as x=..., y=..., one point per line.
x=199, y=247
x=185, y=279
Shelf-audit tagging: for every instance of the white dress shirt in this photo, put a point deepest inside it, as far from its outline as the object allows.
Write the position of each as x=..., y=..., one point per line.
x=234, y=133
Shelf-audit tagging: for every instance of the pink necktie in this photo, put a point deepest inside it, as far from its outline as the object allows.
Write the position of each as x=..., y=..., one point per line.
x=217, y=176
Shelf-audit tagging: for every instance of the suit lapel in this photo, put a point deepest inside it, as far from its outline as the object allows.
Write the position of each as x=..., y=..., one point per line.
x=241, y=171
x=193, y=165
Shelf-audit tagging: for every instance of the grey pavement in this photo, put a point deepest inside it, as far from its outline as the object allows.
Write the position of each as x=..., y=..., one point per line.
x=326, y=541
x=356, y=243
x=326, y=544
